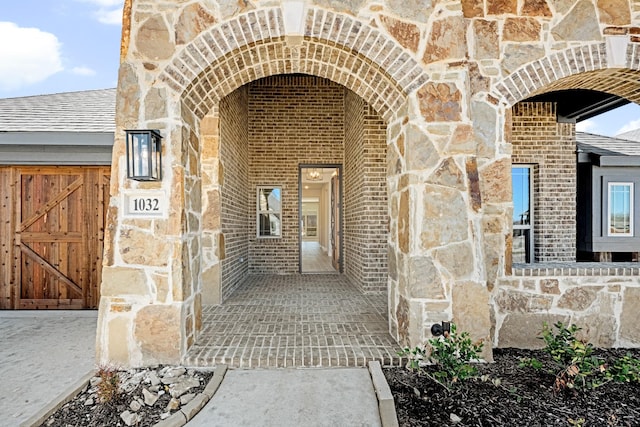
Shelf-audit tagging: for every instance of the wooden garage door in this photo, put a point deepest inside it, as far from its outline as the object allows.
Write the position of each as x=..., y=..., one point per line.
x=56, y=225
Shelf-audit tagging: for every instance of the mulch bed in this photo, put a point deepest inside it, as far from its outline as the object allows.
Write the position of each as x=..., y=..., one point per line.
x=505, y=394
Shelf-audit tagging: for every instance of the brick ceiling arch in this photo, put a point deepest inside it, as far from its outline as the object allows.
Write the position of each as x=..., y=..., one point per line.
x=255, y=45
x=581, y=67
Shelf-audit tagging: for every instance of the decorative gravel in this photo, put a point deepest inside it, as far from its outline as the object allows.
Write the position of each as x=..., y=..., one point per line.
x=145, y=397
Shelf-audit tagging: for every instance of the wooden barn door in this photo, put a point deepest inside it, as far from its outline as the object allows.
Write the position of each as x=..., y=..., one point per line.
x=58, y=241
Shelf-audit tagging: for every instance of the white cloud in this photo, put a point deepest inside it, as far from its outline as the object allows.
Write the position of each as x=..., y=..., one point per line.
x=83, y=71
x=587, y=126
x=105, y=3
x=109, y=17
x=27, y=56
x=109, y=11
x=632, y=125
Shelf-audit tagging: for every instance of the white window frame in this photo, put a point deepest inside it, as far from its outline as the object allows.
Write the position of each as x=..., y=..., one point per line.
x=631, y=213
x=260, y=212
x=531, y=204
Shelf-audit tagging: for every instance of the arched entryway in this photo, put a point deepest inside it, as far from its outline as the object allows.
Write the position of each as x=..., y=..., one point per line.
x=199, y=262
x=560, y=198
x=442, y=78
x=259, y=305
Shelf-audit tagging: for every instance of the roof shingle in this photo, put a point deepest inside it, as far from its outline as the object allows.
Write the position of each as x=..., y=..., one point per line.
x=607, y=146
x=85, y=111
x=632, y=135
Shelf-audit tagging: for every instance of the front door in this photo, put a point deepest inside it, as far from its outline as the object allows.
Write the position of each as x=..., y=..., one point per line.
x=336, y=241
x=319, y=217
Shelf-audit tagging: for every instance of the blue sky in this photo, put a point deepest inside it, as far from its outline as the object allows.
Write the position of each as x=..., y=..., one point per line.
x=67, y=45
x=614, y=122
x=51, y=46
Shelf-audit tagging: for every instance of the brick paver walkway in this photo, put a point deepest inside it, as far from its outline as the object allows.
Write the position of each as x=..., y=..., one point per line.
x=295, y=321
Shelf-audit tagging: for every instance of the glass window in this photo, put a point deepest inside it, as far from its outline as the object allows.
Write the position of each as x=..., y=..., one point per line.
x=269, y=212
x=522, y=214
x=620, y=209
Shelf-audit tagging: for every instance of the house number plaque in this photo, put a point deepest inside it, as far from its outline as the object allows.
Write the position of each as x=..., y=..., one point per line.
x=145, y=204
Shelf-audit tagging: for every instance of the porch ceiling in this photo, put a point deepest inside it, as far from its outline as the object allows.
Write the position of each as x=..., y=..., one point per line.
x=581, y=104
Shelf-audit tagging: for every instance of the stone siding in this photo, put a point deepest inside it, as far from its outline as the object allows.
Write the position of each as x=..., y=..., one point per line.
x=538, y=139
x=604, y=306
x=365, y=206
x=444, y=76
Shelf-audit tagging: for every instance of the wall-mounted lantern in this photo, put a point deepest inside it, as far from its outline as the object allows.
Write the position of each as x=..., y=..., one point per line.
x=144, y=155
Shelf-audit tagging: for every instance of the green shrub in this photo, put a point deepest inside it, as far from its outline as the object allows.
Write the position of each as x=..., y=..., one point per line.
x=625, y=370
x=575, y=359
x=450, y=355
x=415, y=357
x=576, y=364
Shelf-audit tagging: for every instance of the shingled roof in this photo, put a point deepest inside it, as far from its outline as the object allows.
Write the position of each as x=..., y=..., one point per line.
x=607, y=146
x=632, y=135
x=85, y=111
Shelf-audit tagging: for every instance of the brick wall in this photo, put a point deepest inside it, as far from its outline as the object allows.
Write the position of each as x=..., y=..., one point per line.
x=538, y=139
x=236, y=210
x=268, y=129
x=365, y=205
x=293, y=120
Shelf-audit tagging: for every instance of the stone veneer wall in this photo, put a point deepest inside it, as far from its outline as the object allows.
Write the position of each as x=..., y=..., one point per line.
x=212, y=237
x=443, y=75
x=293, y=120
x=540, y=140
x=236, y=208
x=604, y=302
x=365, y=198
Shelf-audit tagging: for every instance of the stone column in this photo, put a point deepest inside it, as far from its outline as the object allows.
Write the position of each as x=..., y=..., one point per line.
x=150, y=304
x=437, y=246
x=211, y=210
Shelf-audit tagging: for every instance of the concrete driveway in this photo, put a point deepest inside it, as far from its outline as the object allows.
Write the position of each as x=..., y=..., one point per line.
x=42, y=353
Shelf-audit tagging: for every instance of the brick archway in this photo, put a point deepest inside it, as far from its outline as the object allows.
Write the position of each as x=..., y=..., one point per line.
x=580, y=67
x=227, y=57
x=171, y=81
x=549, y=146
x=443, y=79
x=333, y=46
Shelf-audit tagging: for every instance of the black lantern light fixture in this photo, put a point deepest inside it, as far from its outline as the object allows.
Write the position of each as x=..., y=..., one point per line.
x=144, y=155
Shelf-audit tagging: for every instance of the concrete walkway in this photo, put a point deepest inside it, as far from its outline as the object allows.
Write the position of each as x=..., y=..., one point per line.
x=292, y=397
x=42, y=353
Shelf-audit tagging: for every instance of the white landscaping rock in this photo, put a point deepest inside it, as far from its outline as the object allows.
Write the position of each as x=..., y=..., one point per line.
x=171, y=375
x=130, y=418
x=153, y=378
x=172, y=405
x=183, y=386
x=135, y=406
x=150, y=399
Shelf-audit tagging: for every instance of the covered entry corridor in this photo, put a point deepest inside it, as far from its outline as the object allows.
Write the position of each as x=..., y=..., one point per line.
x=295, y=321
